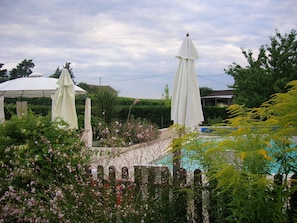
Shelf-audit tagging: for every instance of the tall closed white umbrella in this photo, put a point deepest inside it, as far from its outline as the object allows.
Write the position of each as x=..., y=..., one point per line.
x=64, y=100
x=186, y=106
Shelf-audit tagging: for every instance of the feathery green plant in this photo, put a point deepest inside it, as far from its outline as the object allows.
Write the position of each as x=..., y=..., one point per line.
x=239, y=163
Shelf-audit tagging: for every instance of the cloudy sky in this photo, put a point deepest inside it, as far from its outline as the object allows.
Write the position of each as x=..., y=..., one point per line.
x=131, y=44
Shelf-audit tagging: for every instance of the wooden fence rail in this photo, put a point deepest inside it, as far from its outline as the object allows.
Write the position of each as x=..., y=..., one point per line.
x=155, y=196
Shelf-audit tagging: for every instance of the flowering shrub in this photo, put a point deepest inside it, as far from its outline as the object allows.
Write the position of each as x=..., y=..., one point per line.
x=43, y=175
x=119, y=134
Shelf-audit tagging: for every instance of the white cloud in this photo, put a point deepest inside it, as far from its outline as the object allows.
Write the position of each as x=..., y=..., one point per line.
x=118, y=40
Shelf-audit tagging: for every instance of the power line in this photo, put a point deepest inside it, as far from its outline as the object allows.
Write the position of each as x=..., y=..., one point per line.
x=214, y=75
x=136, y=78
x=214, y=80
x=158, y=75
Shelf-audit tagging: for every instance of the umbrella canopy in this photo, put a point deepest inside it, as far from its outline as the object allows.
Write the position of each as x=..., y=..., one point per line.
x=34, y=86
x=64, y=100
x=186, y=106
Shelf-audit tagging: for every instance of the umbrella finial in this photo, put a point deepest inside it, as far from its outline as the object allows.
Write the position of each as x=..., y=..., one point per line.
x=67, y=65
x=187, y=35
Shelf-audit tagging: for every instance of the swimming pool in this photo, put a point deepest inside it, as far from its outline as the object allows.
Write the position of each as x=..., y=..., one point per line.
x=186, y=161
x=190, y=164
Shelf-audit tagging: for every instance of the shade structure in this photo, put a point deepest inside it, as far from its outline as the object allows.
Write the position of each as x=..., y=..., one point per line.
x=34, y=86
x=64, y=100
x=186, y=106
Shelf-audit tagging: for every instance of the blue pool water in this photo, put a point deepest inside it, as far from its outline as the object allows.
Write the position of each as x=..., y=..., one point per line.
x=191, y=164
x=186, y=162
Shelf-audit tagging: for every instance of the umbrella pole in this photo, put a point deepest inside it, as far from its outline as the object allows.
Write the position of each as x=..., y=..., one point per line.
x=177, y=144
x=176, y=160
x=179, y=179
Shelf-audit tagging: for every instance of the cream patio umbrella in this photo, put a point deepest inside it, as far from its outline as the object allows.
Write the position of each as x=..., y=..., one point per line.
x=186, y=109
x=64, y=100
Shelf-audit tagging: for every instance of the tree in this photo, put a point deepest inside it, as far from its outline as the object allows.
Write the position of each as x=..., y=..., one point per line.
x=107, y=102
x=23, y=69
x=58, y=71
x=165, y=96
x=3, y=74
x=84, y=86
x=205, y=91
x=274, y=67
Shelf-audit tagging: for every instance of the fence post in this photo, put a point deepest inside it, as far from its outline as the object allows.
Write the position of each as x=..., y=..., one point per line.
x=89, y=171
x=166, y=210
x=100, y=183
x=176, y=160
x=165, y=184
x=138, y=183
x=152, y=182
x=152, y=199
x=180, y=197
x=277, y=196
x=293, y=200
x=125, y=174
x=278, y=179
x=124, y=188
x=100, y=176
x=138, y=194
x=198, y=217
x=112, y=185
x=212, y=206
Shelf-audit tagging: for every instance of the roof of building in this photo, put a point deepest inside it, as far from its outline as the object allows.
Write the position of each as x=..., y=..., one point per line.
x=220, y=94
x=103, y=87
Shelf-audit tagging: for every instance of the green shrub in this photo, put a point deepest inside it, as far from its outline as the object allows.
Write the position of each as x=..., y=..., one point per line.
x=214, y=115
x=106, y=103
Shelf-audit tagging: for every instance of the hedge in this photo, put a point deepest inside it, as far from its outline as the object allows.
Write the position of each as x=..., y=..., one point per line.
x=150, y=109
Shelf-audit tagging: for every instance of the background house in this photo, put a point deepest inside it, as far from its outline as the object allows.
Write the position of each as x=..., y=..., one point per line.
x=101, y=87
x=220, y=98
